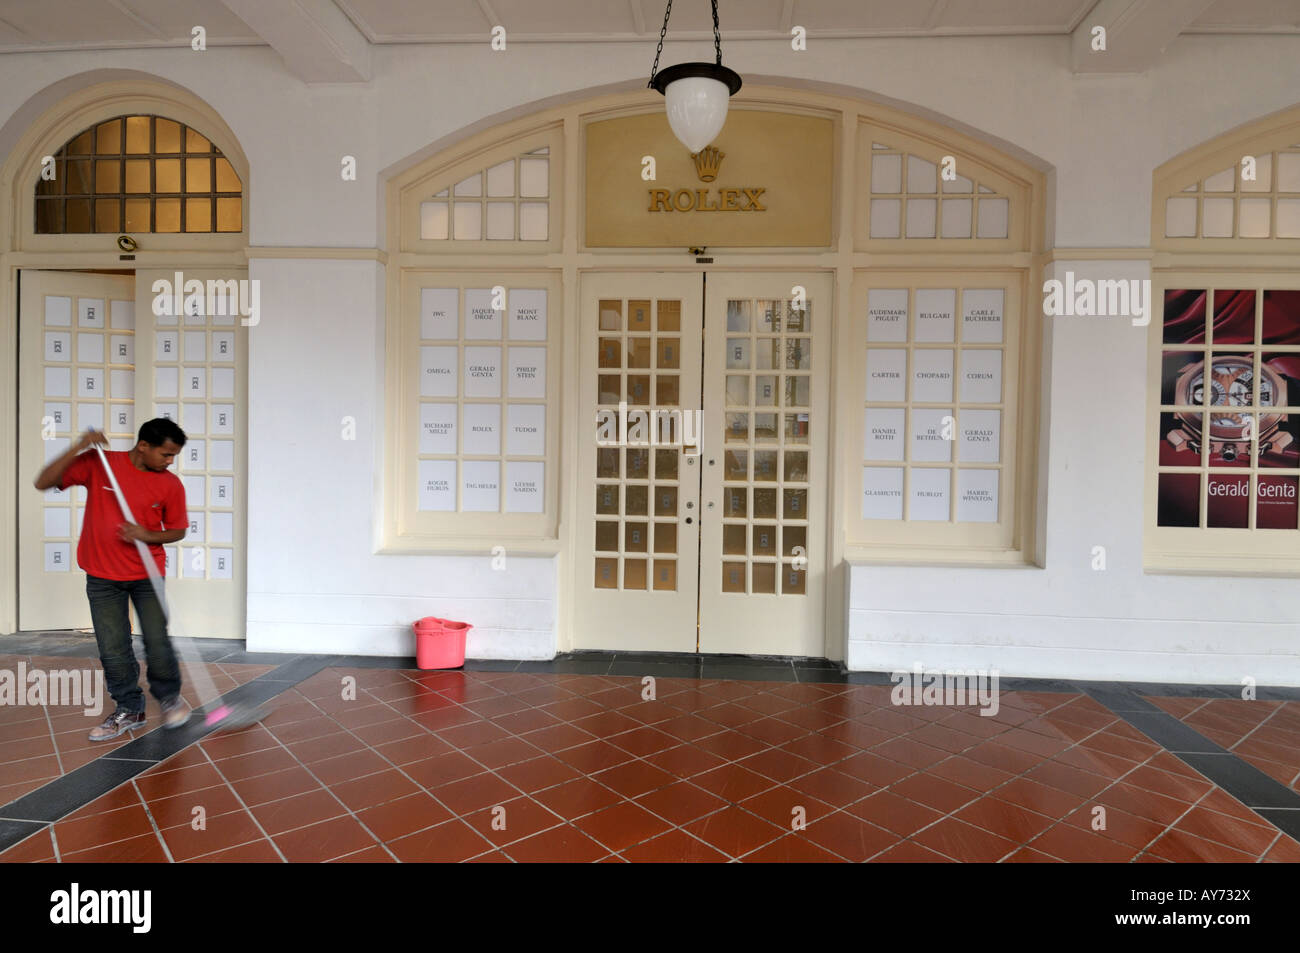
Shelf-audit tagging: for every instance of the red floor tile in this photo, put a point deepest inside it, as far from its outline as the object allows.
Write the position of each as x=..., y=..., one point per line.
x=323, y=841
x=563, y=844
x=1182, y=848
x=733, y=831
x=675, y=847
x=681, y=802
x=622, y=826
x=963, y=842
x=450, y=842
x=503, y=824
x=394, y=819
x=276, y=817
x=848, y=837
x=1075, y=845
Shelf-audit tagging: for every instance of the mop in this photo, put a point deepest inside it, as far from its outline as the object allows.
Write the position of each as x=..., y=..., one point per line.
x=224, y=717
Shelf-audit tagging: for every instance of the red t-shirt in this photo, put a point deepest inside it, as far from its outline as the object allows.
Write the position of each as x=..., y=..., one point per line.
x=157, y=502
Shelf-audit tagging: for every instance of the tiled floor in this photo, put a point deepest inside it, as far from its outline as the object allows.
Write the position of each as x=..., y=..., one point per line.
x=512, y=766
x=42, y=742
x=1263, y=733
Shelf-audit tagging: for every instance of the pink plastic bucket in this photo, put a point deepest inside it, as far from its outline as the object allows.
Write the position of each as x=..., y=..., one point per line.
x=440, y=643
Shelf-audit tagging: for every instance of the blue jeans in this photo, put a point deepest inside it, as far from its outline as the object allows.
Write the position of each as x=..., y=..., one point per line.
x=108, y=613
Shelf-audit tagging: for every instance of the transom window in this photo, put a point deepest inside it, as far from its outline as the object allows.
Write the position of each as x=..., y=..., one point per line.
x=138, y=174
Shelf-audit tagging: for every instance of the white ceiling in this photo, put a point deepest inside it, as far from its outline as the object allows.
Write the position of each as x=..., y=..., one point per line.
x=31, y=25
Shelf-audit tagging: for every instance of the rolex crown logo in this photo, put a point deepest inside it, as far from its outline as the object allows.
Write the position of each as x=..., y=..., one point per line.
x=707, y=161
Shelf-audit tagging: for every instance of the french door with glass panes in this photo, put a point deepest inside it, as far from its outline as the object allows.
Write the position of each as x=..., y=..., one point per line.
x=702, y=463
x=95, y=352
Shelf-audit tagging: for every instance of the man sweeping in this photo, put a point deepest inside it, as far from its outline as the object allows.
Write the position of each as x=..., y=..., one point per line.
x=115, y=574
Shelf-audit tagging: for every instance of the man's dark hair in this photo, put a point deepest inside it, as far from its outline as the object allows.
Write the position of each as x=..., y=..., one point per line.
x=158, y=431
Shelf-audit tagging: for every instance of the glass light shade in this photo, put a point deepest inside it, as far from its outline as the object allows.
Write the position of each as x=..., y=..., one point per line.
x=697, y=109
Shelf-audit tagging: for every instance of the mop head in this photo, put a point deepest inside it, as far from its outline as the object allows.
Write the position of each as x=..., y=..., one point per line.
x=233, y=717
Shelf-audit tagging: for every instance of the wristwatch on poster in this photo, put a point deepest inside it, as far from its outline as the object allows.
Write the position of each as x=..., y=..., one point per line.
x=1231, y=384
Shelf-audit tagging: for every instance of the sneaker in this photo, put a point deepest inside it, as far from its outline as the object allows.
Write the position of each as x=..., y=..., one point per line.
x=175, y=712
x=116, y=724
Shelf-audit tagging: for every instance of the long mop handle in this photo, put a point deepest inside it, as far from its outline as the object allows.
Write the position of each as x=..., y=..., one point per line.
x=198, y=671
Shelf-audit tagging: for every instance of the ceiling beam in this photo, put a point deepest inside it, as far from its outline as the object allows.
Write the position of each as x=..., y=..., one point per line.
x=1137, y=32
x=318, y=42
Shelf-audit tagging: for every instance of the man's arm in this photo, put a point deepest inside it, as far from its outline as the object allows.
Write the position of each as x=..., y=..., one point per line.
x=154, y=537
x=52, y=475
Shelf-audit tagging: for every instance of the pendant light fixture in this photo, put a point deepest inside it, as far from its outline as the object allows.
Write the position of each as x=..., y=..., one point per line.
x=696, y=94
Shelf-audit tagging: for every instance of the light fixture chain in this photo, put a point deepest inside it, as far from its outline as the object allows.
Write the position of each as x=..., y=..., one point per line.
x=662, y=32
x=717, y=36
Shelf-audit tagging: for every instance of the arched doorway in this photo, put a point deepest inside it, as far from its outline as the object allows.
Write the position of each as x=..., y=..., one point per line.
x=121, y=290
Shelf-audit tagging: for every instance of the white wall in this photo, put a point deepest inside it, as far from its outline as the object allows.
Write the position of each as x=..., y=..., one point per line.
x=316, y=356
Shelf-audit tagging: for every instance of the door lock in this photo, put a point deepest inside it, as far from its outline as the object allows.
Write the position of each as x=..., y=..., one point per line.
x=710, y=506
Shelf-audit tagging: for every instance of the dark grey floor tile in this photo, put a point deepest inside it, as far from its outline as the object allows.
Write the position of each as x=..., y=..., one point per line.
x=1183, y=691
x=748, y=661
x=1285, y=820
x=373, y=661
x=259, y=658
x=491, y=665
x=11, y=832
x=830, y=676
x=870, y=678
x=1273, y=694
x=1037, y=685
x=64, y=795
x=657, y=669
x=1167, y=731
x=748, y=673
x=571, y=666
x=801, y=662
x=657, y=658
x=1243, y=781
x=302, y=667
x=1115, y=697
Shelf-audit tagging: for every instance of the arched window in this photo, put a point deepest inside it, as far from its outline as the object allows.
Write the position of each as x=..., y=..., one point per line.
x=1223, y=480
x=138, y=174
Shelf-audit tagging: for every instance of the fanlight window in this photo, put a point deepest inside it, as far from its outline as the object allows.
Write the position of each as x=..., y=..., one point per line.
x=138, y=174
x=911, y=199
x=1259, y=198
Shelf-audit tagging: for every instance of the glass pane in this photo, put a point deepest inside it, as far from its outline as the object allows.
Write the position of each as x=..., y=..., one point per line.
x=638, y=465
x=78, y=216
x=638, y=316
x=733, y=577
x=198, y=215
x=793, y=580
x=665, y=537
x=83, y=145
x=606, y=573
x=796, y=466
x=735, y=465
x=610, y=387
x=108, y=215
x=168, y=135
x=792, y=536
x=501, y=179
x=735, y=501
x=137, y=215
x=468, y=222
x=196, y=143
x=737, y=353
x=227, y=180
x=737, y=390
x=611, y=352
x=137, y=134
x=168, y=175
x=638, y=500
x=765, y=428
x=666, y=390
x=737, y=428
x=738, y=315
x=534, y=175
x=638, y=350
x=764, y=504
x=534, y=222
x=607, y=536
x=922, y=175
x=108, y=176
x=49, y=217
x=765, y=391
x=168, y=215
x=798, y=354
x=765, y=466
x=635, y=538
x=666, y=464
x=764, y=577
x=230, y=215
x=634, y=573
x=611, y=315
x=733, y=539
x=433, y=220
x=638, y=389
x=665, y=574
x=796, y=504
x=607, y=462
x=501, y=221
x=669, y=316
x=665, y=501
x=198, y=175
x=137, y=175
x=764, y=540
x=79, y=172
x=108, y=138
x=607, y=498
